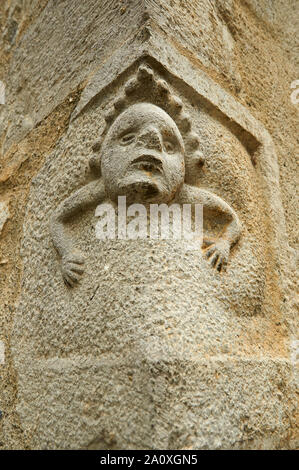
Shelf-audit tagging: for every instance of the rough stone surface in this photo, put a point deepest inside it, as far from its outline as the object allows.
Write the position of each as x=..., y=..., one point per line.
x=153, y=348
x=4, y=214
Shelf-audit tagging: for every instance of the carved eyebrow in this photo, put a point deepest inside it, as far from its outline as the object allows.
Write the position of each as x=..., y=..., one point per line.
x=171, y=135
x=128, y=130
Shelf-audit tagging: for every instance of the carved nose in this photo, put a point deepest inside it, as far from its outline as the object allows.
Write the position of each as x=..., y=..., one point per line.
x=150, y=138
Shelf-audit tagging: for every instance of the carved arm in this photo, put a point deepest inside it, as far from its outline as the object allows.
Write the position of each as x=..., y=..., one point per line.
x=72, y=260
x=218, y=250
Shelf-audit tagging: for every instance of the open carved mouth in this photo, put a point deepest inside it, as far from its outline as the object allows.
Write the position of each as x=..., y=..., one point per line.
x=148, y=163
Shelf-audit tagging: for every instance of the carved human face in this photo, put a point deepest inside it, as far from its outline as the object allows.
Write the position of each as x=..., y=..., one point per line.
x=143, y=155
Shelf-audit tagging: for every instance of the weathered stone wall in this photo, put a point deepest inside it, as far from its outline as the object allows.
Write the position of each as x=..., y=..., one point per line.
x=220, y=369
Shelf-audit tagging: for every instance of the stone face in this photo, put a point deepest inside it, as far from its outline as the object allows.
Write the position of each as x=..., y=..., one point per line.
x=153, y=348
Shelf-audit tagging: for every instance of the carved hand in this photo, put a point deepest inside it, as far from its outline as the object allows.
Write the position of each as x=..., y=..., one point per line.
x=72, y=267
x=217, y=253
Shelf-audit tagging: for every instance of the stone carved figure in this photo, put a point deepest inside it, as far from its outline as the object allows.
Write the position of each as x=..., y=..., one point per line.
x=142, y=155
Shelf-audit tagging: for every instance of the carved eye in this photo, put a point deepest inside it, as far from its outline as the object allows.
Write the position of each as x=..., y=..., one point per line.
x=169, y=147
x=127, y=139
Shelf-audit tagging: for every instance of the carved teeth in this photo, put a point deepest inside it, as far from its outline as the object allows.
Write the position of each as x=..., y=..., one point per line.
x=177, y=103
x=185, y=122
x=131, y=86
x=148, y=163
x=95, y=164
x=146, y=166
x=120, y=104
x=109, y=116
x=96, y=146
x=163, y=86
x=199, y=157
x=193, y=141
x=144, y=72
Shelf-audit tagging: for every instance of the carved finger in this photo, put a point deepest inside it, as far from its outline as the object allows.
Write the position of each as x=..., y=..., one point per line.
x=219, y=264
x=73, y=276
x=210, y=251
x=77, y=260
x=208, y=241
x=75, y=268
x=213, y=260
x=68, y=282
x=224, y=264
